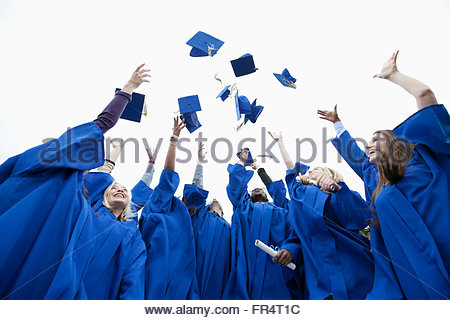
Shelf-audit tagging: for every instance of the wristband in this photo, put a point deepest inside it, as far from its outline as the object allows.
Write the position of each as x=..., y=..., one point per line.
x=110, y=161
x=174, y=138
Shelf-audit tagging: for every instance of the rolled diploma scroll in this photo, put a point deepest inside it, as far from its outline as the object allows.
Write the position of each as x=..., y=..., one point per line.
x=271, y=252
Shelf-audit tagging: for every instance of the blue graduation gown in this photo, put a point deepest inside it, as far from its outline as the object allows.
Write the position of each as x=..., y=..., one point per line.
x=278, y=191
x=117, y=269
x=139, y=197
x=45, y=221
x=212, y=237
x=253, y=274
x=414, y=213
x=296, y=279
x=167, y=232
x=337, y=261
x=385, y=284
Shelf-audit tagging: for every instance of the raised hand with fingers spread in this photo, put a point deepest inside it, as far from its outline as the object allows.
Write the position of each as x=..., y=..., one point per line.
x=244, y=155
x=178, y=125
x=421, y=92
x=201, y=154
x=331, y=116
x=138, y=77
x=278, y=137
x=389, y=67
x=152, y=154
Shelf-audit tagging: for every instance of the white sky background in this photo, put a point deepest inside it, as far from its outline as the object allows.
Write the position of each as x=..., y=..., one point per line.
x=60, y=62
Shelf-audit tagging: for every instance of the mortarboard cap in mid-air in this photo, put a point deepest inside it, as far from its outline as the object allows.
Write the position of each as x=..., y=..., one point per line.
x=286, y=79
x=204, y=45
x=135, y=108
x=188, y=107
x=225, y=93
x=191, y=121
x=242, y=105
x=249, y=158
x=243, y=65
x=255, y=112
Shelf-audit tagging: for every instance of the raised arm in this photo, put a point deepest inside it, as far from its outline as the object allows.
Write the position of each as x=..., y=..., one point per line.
x=262, y=173
x=198, y=175
x=148, y=174
x=345, y=144
x=420, y=91
x=238, y=180
x=142, y=190
x=333, y=117
x=111, y=114
x=284, y=154
x=178, y=125
x=276, y=189
x=112, y=156
x=162, y=197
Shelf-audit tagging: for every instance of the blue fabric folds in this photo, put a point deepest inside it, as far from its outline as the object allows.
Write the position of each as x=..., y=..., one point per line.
x=95, y=184
x=385, y=284
x=337, y=261
x=165, y=224
x=410, y=247
x=45, y=221
x=117, y=269
x=212, y=237
x=253, y=274
x=414, y=214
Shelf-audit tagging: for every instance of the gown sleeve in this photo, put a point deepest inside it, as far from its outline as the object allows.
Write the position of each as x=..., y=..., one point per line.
x=277, y=191
x=358, y=161
x=356, y=211
x=161, y=198
x=237, y=185
x=292, y=244
x=133, y=279
x=429, y=127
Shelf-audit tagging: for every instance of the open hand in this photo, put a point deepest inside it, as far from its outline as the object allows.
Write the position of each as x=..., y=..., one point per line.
x=201, y=153
x=152, y=154
x=389, y=67
x=276, y=136
x=138, y=77
x=116, y=143
x=331, y=116
x=244, y=155
x=178, y=125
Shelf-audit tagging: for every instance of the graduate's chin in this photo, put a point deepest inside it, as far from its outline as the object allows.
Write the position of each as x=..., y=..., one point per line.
x=373, y=158
x=119, y=202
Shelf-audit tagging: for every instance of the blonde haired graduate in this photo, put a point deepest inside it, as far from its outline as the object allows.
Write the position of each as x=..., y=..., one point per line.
x=337, y=260
x=47, y=236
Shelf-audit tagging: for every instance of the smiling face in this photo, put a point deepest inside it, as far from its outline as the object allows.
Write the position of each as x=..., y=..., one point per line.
x=315, y=173
x=118, y=196
x=377, y=147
